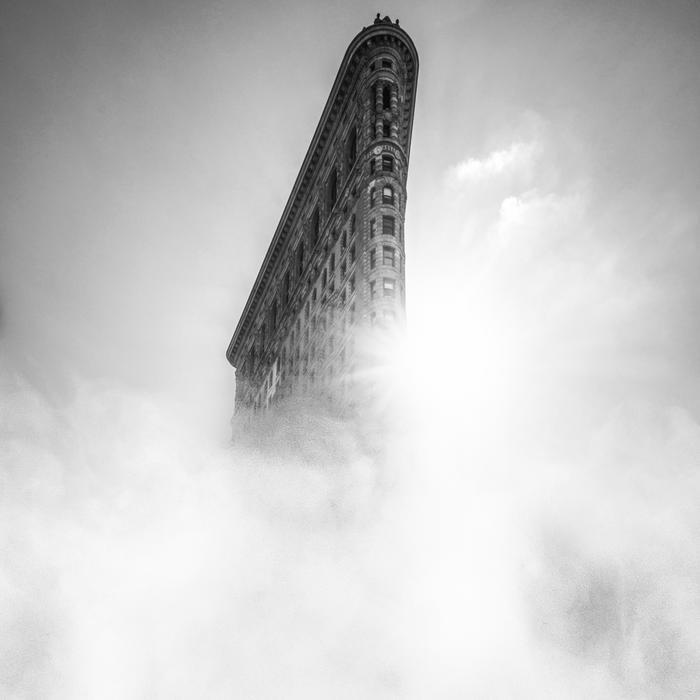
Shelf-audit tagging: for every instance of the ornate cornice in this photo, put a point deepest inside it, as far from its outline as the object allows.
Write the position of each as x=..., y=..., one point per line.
x=364, y=41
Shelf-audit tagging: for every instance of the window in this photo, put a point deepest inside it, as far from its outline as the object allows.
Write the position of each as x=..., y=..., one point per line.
x=351, y=284
x=314, y=295
x=372, y=258
x=343, y=269
x=331, y=264
x=386, y=63
x=344, y=241
x=324, y=278
x=372, y=228
x=315, y=227
x=387, y=195
x=352, y=253
x=386, y=97
x=388, y=225
x=371, y=166
x=352, y=313
x=352, y=147
x=389, y=287
x=386, y=129
x=372, y=289
x=388, y=163
x=300, y=259
x=372, y=197
x=285, y=288
x=388, y=256
x=372, y=66
x=332, y=188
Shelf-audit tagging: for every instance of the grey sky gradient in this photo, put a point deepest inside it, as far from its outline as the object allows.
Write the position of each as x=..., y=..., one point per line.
x=539, y=514
x=148, y=150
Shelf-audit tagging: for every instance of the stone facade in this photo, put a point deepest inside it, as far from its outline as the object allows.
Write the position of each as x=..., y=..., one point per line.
x=335, y=267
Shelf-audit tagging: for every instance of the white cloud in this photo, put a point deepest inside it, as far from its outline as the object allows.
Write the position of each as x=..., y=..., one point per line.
x=519, y=157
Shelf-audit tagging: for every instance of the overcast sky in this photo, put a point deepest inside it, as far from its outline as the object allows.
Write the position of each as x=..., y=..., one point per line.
x=148, y=150
x=553, y=248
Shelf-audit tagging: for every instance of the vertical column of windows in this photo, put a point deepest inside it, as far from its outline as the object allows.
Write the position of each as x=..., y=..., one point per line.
x=378, y=109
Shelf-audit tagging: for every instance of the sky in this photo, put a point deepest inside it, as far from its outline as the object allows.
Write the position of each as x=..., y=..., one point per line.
x=552, y=242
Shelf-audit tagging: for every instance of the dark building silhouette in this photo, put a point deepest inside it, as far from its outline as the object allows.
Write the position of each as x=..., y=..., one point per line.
x=335, y=268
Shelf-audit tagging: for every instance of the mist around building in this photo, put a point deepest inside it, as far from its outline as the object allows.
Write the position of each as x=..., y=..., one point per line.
x=515, y=518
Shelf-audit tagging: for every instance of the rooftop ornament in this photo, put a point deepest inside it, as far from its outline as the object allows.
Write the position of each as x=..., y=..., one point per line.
x=384, y=20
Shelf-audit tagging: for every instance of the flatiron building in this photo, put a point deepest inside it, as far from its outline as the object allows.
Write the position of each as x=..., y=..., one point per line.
x=335, y=269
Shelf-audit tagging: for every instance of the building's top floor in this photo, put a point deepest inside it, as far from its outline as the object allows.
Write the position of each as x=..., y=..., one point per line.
x=381, y=52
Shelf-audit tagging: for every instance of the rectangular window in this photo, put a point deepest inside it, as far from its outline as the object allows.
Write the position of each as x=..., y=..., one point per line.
x=324, y=278
x=372, y=289
x=386, y=63
x=351, y=284
x=372, y=258
x=388, y=225
x=331, y=265
x=389, y=287
x=352, y=254
x=371, y=166
x=388, y=256
x=343, y=269
x=372, y=228
x=285, y=288
x=315, y=227
x=300, y=259
x=344, y=241
x=388, y=164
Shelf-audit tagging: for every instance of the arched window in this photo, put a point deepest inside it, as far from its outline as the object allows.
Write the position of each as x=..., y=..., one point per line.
x=386, y=97
x=387, y=195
